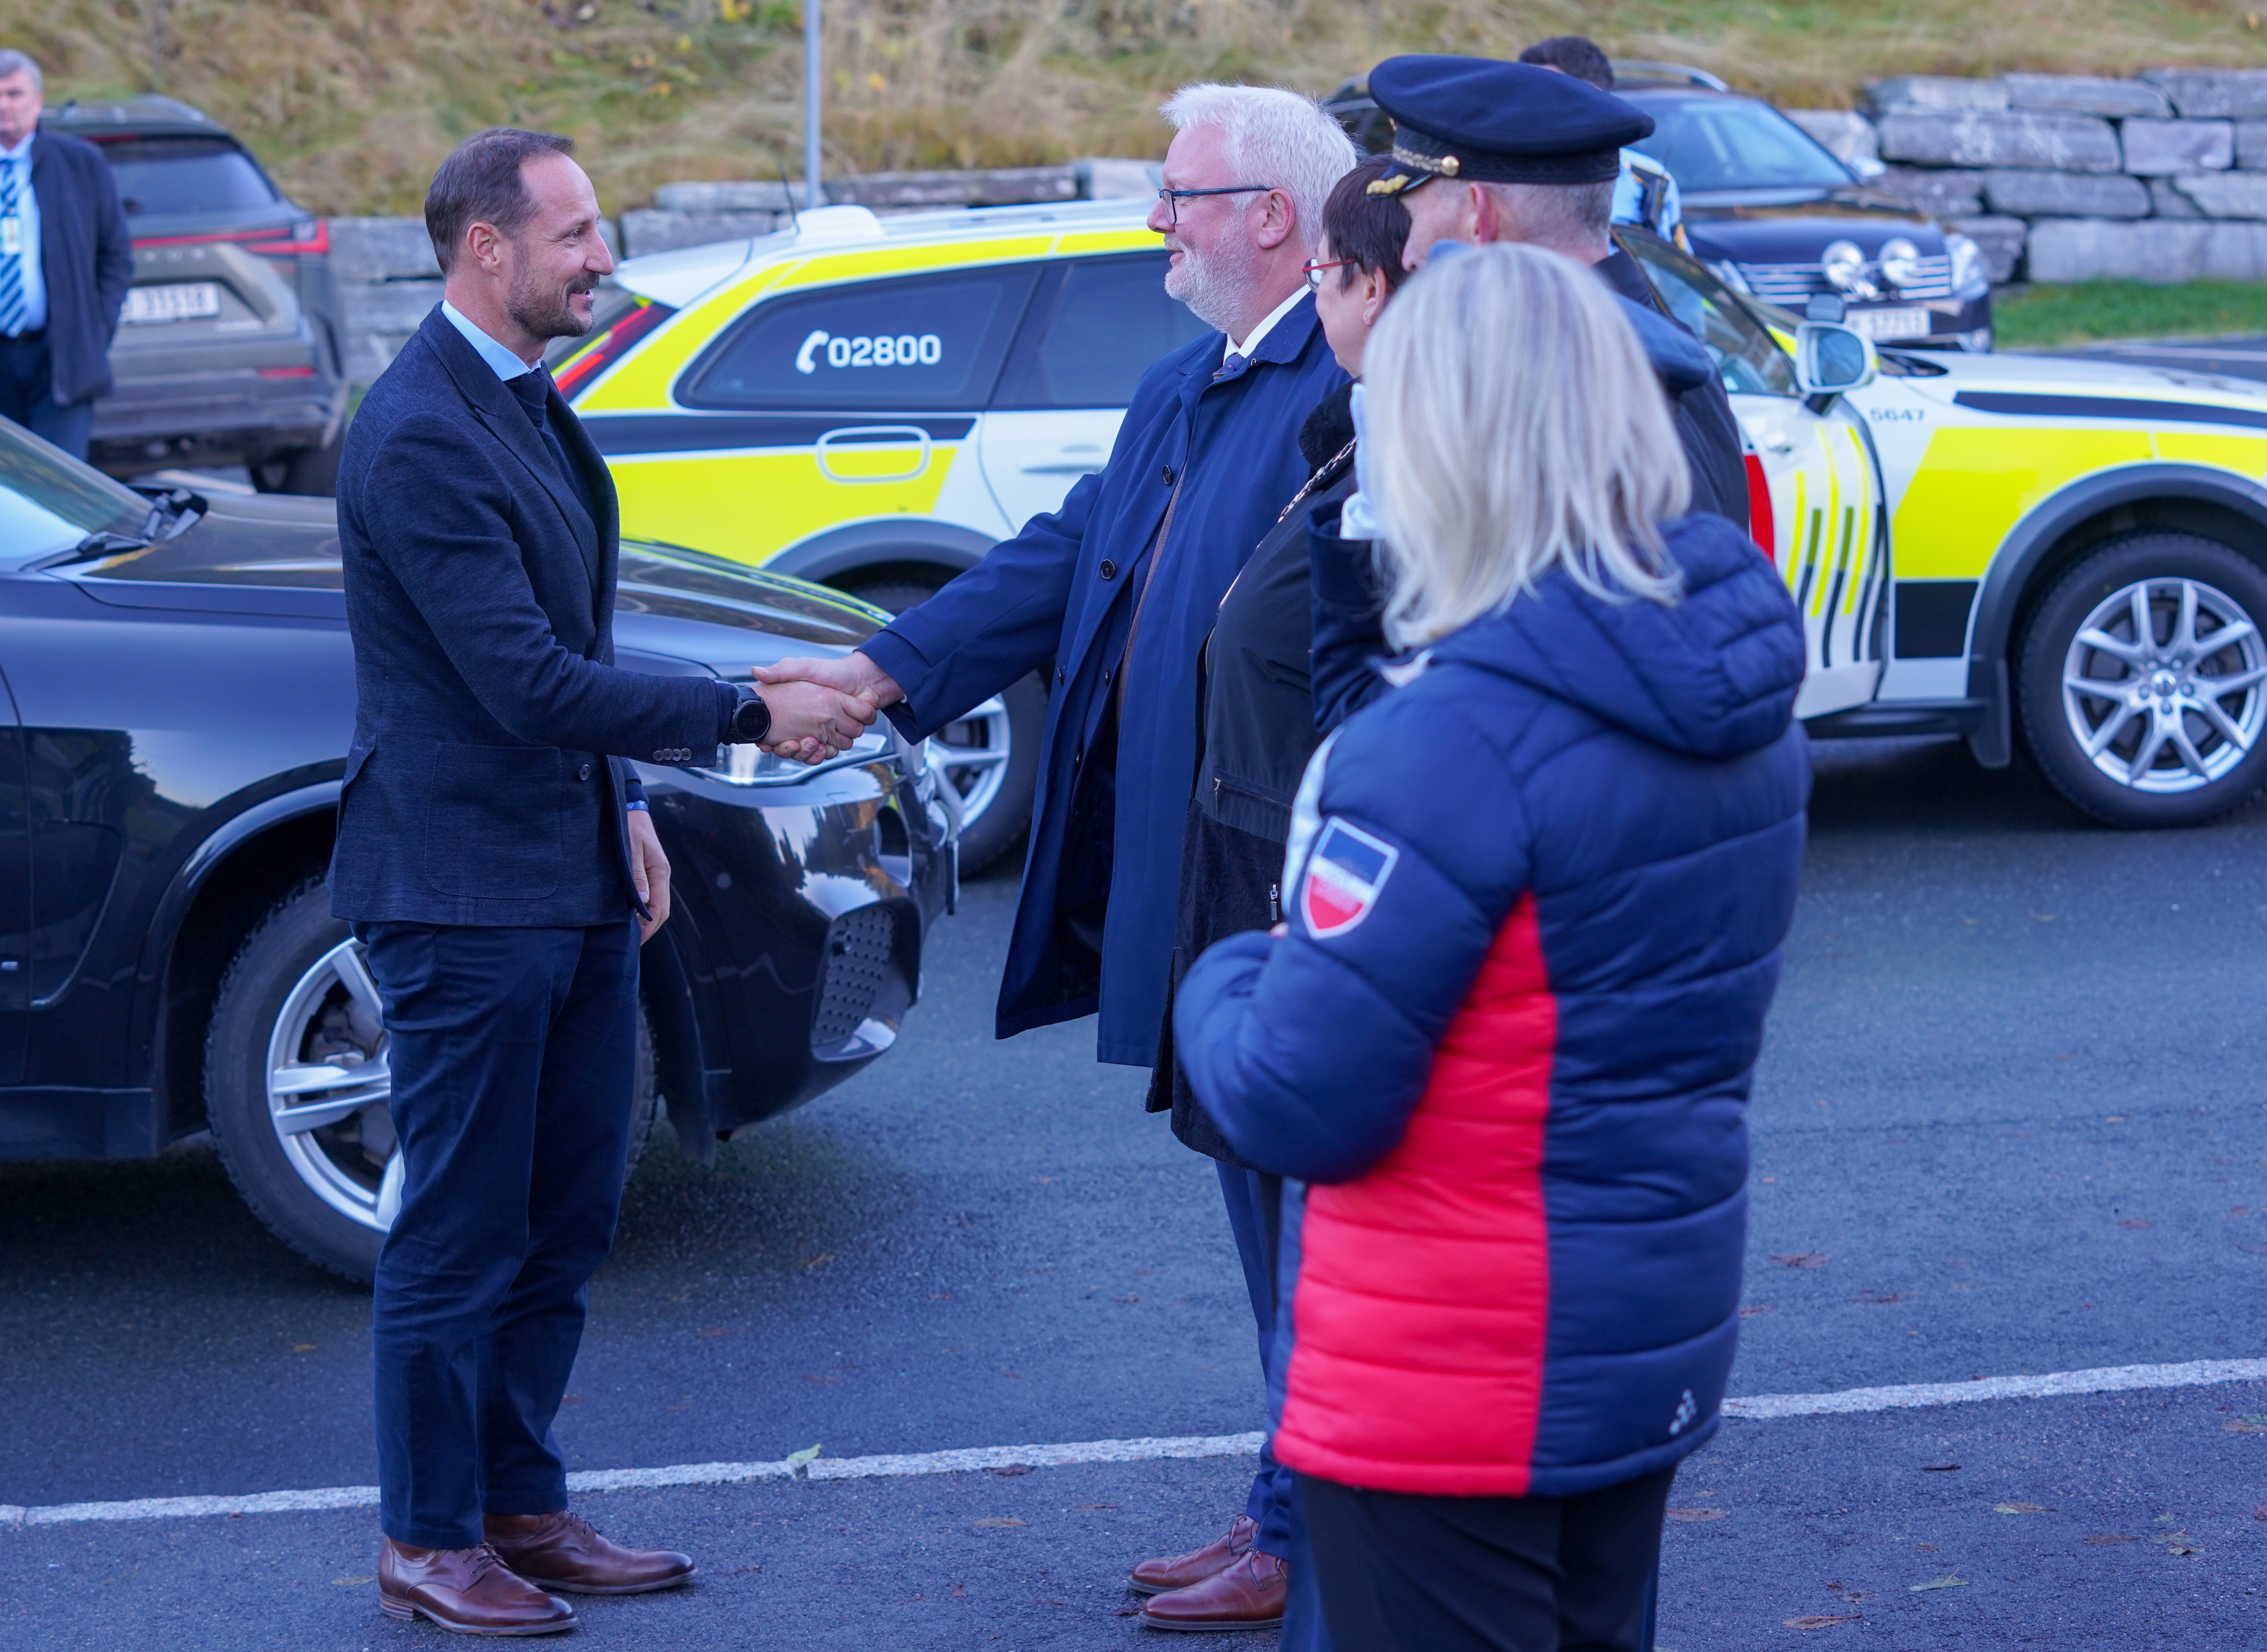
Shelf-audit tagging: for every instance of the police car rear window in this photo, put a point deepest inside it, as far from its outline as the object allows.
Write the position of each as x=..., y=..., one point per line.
x=930, y=341
x=1094, y=332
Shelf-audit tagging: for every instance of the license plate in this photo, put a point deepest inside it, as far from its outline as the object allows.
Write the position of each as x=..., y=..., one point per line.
x=175, y=301
x=1890, y=324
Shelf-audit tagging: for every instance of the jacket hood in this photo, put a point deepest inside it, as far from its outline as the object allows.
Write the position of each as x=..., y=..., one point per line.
x=1715, y=675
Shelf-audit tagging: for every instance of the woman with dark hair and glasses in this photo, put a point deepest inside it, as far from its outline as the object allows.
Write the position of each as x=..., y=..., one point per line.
x=1255, y=729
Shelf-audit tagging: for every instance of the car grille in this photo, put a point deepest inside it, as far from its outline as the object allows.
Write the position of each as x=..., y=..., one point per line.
x=1790, y=284
x=860, y=950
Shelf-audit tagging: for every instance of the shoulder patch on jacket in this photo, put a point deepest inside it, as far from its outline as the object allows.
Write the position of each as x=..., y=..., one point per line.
x=1345, y=876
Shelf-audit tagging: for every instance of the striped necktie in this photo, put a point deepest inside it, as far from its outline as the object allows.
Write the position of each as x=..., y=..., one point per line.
x=11, y=265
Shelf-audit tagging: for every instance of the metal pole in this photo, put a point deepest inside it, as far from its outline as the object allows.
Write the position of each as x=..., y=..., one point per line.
x=814, y=195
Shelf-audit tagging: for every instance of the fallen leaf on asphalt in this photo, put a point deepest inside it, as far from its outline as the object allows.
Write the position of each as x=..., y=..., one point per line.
x=2178, y=1543
x=303, y=1347
x=1761, y=1307
x=1802, y=1258
x=2260, y=1513
x=813, y=1261
x=2131, y=1222
x=1938, y=1468
x=808, y=1454
x=1696, y=1514
x=1129, y=1611
x=1080, y=1506
x=958, y=1591
x=1013, y=1468
x=1818, y=1621
x=2022, y=1508
x=2109, y=1537
x=2243, y=1427
x=1003, y=1521
x=2117, y=1117
x=2254, y=1250
x=1952, y=1580
x=348, y=1582
x=2044, y=917
x=715, y=1331
x=1879, y=1298
x=570, y=1400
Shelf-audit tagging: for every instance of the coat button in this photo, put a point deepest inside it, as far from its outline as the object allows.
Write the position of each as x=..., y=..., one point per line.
x=1108, y=569
x=1059, y=677
x=1168, y=475
x=584, y=773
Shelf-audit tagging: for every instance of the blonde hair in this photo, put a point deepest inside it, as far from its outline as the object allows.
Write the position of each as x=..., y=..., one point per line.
x=1514, y=426
x=1268, y=135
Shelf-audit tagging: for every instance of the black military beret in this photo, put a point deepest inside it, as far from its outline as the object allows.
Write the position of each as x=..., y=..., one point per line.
x=1497, y=122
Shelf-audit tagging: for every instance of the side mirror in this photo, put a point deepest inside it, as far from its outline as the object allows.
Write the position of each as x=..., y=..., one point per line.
x=1829, y=359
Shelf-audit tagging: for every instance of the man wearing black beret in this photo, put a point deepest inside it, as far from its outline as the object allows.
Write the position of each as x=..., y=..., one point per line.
x=1491, y=152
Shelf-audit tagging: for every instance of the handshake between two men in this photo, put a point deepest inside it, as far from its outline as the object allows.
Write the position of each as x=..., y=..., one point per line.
x=820, y=705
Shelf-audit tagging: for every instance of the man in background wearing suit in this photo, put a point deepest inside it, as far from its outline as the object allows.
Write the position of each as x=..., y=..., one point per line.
x=496, y=858
x=66, y=260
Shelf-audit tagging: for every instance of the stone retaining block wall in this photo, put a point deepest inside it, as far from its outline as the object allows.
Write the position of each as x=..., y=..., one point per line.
x=390, y=281
x=2069, y=178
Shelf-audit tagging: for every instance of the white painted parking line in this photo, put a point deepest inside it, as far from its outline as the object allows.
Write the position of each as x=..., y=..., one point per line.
x=2108, y=1380
x=1762, y=1408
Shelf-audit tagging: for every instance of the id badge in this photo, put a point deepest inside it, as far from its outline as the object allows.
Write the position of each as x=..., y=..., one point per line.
x=11, y=235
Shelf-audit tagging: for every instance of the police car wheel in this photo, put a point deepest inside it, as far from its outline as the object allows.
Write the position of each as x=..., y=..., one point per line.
x=2143, y=681
x=296, y=1087
x=990, y=757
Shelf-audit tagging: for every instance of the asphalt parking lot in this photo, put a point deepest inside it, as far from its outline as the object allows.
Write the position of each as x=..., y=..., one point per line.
x=2011, y=1121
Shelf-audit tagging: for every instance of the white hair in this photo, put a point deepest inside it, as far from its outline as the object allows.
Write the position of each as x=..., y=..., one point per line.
x=1271, y=136
x=1514, y=426
x=15, y=62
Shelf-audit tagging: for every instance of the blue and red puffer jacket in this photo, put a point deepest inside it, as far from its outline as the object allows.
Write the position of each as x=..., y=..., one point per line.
x=1536, y=899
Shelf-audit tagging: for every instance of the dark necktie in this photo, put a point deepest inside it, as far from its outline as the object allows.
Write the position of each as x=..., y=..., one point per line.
x=533, y=389
x=1232, y=366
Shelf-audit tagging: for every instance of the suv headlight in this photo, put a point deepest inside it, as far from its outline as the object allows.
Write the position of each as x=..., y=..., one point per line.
x=1969, y=270
x=1843, y=265
x=752, y=765
x=1900, y=263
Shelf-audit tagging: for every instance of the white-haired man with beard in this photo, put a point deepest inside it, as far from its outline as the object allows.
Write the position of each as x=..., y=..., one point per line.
x=1113, y=595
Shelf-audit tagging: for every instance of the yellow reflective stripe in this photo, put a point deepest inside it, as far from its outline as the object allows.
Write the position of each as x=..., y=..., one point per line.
x=1833, y=513
x=2245, y=454
x=1974, y=483
x=750, y=506
x=1864, y=524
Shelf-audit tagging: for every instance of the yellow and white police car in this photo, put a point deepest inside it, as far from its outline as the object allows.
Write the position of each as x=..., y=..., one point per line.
x=2004, y=548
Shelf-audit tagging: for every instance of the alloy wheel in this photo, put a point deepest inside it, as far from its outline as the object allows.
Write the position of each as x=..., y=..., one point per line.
x=972, y=754
x=329, y=1089
x=2162, y=684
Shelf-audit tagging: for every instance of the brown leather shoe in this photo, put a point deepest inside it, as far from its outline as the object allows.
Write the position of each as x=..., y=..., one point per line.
x=1249, y=1594
x=1178, y=1571
x=471, y=1592
x=564, y=1552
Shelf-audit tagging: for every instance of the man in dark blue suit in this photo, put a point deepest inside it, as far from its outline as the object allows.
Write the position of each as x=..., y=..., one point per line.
x=1114, y=595
x=496, y=860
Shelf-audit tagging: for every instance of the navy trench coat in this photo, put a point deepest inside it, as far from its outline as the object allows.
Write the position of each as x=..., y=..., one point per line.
x=1060, y=596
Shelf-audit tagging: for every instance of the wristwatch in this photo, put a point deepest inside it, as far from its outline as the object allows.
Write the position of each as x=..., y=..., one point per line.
x=752, y=718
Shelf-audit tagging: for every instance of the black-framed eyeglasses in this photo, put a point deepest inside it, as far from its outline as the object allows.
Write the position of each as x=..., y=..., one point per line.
x=1172, y=198
x=1314, y=270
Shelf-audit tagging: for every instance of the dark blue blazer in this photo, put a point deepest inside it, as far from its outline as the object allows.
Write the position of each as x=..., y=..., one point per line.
x=86, y=260
x=1062, y=593
x=485, y=784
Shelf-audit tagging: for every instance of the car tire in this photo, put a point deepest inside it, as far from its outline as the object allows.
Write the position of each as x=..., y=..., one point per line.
x=1002, y=735
x=296, y=995
x=312, y=472
x=2161, y=731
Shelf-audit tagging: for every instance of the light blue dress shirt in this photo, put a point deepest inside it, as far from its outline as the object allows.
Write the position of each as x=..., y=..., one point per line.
x=506, y=364
x=28, y=208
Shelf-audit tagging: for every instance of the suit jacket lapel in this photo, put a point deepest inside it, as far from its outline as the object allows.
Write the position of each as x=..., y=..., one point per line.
x=500, y=410
x=582, y=450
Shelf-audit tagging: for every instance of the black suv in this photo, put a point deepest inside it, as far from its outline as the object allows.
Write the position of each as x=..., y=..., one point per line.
x=1776, y=215
x=231, y=350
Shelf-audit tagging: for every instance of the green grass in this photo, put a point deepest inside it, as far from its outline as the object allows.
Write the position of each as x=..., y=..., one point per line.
x=2039, y=316
x=352, y=102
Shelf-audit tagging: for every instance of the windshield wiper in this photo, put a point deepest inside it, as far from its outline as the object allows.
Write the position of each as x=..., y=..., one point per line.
x=93, y=547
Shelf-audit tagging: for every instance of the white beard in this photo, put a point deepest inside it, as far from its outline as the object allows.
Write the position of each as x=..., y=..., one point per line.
x=1217, y=288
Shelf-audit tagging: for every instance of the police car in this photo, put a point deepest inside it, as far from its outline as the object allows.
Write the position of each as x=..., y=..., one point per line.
x=1994, y=546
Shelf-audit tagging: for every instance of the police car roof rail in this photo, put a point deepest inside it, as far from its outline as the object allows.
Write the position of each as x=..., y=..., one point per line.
x=1636, y=71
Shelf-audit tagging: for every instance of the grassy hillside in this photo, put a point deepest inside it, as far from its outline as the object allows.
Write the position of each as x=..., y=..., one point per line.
x=352, y=101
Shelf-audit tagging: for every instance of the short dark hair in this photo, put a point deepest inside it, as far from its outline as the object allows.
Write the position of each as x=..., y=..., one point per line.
x=482, y=183
x=1576, y=54
x=1370, y=230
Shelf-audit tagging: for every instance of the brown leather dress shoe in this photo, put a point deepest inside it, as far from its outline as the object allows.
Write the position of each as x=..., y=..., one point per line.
x=1249, y=1594
x=470, y=1591
x=1178, y=1571
x=564, y=1552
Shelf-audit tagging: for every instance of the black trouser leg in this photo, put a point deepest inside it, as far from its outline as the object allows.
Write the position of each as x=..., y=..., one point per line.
x=1409, y=1573
x=511, y=1052
x=1254, y=1215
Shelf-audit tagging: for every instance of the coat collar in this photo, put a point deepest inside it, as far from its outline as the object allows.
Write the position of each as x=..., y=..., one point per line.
x=1286, y=342
x=498, y=407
